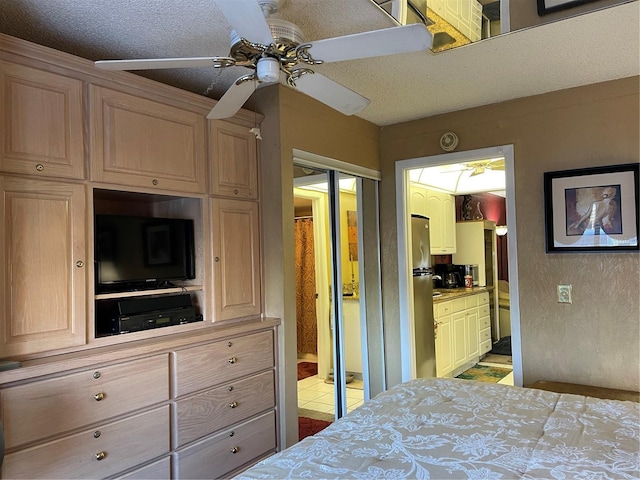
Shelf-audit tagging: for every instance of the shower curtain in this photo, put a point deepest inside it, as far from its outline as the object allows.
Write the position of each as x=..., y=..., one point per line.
x=306, y=287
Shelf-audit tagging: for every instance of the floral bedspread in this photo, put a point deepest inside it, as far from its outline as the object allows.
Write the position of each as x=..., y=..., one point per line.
x=450, y=428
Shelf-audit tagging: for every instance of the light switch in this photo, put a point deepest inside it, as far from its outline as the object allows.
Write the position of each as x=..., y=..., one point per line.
x=564, y=294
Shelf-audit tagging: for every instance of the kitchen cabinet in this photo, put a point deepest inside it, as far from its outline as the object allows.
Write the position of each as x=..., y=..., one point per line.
x=444, y=339
x=146, y=143
x=463, y=331
x=41, y=123
x=440, y=209
x=236, y=259
x=233, y=160
x=463, y=15
x=43, y=264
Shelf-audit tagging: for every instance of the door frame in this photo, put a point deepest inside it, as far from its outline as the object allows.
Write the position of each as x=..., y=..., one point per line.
x=319, y=213
x=404, y=269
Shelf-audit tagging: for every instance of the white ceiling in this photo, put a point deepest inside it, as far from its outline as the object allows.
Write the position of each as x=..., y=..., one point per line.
x=594, y=47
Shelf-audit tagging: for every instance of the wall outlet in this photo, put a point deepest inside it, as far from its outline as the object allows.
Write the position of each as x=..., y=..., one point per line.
x=564, y=294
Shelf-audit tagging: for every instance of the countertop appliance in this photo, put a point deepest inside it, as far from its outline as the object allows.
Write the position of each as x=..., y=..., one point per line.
x=425, y=343
x=450, y=276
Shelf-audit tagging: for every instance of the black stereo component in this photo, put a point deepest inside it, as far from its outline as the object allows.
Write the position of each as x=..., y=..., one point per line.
x=146, y=321
x=144, y=313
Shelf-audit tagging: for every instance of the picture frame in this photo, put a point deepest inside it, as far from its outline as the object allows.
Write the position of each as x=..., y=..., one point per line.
x=592, y=209
x=550, y=6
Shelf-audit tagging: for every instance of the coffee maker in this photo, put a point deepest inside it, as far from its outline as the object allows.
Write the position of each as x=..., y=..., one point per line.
x=449, y=276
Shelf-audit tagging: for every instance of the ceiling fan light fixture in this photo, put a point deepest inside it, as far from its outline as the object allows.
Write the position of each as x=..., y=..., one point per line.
x=268, y=70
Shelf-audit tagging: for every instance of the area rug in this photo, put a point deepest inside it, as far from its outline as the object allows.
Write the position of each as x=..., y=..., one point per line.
x=310, y=426
x=484, y=373
x=307, y=369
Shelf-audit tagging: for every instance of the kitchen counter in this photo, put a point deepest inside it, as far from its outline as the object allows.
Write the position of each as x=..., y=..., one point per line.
x=451, y=293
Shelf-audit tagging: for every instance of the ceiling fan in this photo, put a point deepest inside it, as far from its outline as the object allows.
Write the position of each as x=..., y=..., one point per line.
x=479, y=167
x=275, y=49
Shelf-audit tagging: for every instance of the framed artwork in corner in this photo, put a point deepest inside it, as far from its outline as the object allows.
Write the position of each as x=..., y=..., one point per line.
x=592, y=209
x=550, y=6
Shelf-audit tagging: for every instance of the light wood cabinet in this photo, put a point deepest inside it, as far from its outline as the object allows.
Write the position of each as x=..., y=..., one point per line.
x=440, y=208
x=236, y=259
x=233, y=160
x=441, y=211
x=201, y=405
x=444, y=339
x=144, y=143
x=41, y=123
x=471, y=313
x=43, y=265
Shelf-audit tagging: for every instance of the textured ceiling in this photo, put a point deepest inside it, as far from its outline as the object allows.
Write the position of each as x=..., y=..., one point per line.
x=594, y=47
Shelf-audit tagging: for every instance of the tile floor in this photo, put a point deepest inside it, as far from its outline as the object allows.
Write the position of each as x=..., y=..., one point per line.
x=314, y=394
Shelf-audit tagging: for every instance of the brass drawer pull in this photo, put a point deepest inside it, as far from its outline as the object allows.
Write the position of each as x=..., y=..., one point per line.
x=235, y=450
x=101, y=455
x=233, y=404
x=99, y=396
x=39, y=167
x=232, y=360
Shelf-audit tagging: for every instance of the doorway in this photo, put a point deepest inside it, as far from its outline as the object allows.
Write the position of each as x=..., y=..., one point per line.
x=403, y=200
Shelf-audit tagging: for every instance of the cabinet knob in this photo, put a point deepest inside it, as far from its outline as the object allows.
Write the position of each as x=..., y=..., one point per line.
x=235, y=191
x=79, y=264
x=101, y=455
x=217, y=259
x=232, y=360
x=154, y=181
x=235, y=450
x=229, y=344
x=99, y=396
x=39, y=167
x=233, y=404
x=97, y=434
x=96, y=375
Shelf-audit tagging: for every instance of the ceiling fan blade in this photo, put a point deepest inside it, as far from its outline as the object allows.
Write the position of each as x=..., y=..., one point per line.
x=247, y=19
x=233, y=99
x=154, y=63
x=377, y=43
x=331, y=93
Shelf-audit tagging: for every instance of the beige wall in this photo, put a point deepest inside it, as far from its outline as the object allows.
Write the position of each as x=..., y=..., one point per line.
x=293, y=120
x=523, y=14
x=595, y=340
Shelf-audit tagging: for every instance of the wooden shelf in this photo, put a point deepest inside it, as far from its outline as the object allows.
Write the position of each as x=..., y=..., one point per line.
x=142, y=293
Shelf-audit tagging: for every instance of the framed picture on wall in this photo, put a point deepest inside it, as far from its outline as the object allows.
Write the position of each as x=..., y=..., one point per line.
x=592, y=209
x=550, y=6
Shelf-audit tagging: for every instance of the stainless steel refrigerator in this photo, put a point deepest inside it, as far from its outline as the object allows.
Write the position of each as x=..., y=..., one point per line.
x=425, y=343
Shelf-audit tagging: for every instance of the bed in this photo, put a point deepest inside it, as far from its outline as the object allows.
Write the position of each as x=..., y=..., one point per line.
x=451, y=428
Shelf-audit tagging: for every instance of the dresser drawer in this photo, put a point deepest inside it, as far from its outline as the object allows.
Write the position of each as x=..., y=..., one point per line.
x=124, y=444
x=485, y=347
x=483, y=310
x=484, y=322
x=220, y=454
x=211, y=410
x=158, y=470
x=58, y=405
x=202, y=367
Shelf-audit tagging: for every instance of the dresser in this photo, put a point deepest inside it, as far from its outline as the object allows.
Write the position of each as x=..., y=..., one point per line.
x=198, y=406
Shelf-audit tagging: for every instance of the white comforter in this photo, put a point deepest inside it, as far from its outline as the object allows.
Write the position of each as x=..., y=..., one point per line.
x=442, y=428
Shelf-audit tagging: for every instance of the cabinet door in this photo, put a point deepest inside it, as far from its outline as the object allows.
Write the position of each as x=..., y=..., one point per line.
x=449, y=224
x=41, y=123
x=236, y=256
x=234, y=163
x=43, y=292
x=444, y=347
x=436, y=223
x=418, y=200
x=473, y=346
x=142, y=143
x=459, y=328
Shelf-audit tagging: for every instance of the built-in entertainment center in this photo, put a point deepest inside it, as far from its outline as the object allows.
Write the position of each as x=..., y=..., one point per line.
x=131, y=278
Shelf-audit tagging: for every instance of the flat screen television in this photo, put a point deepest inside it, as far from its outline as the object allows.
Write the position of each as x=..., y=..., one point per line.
x=133, y=253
